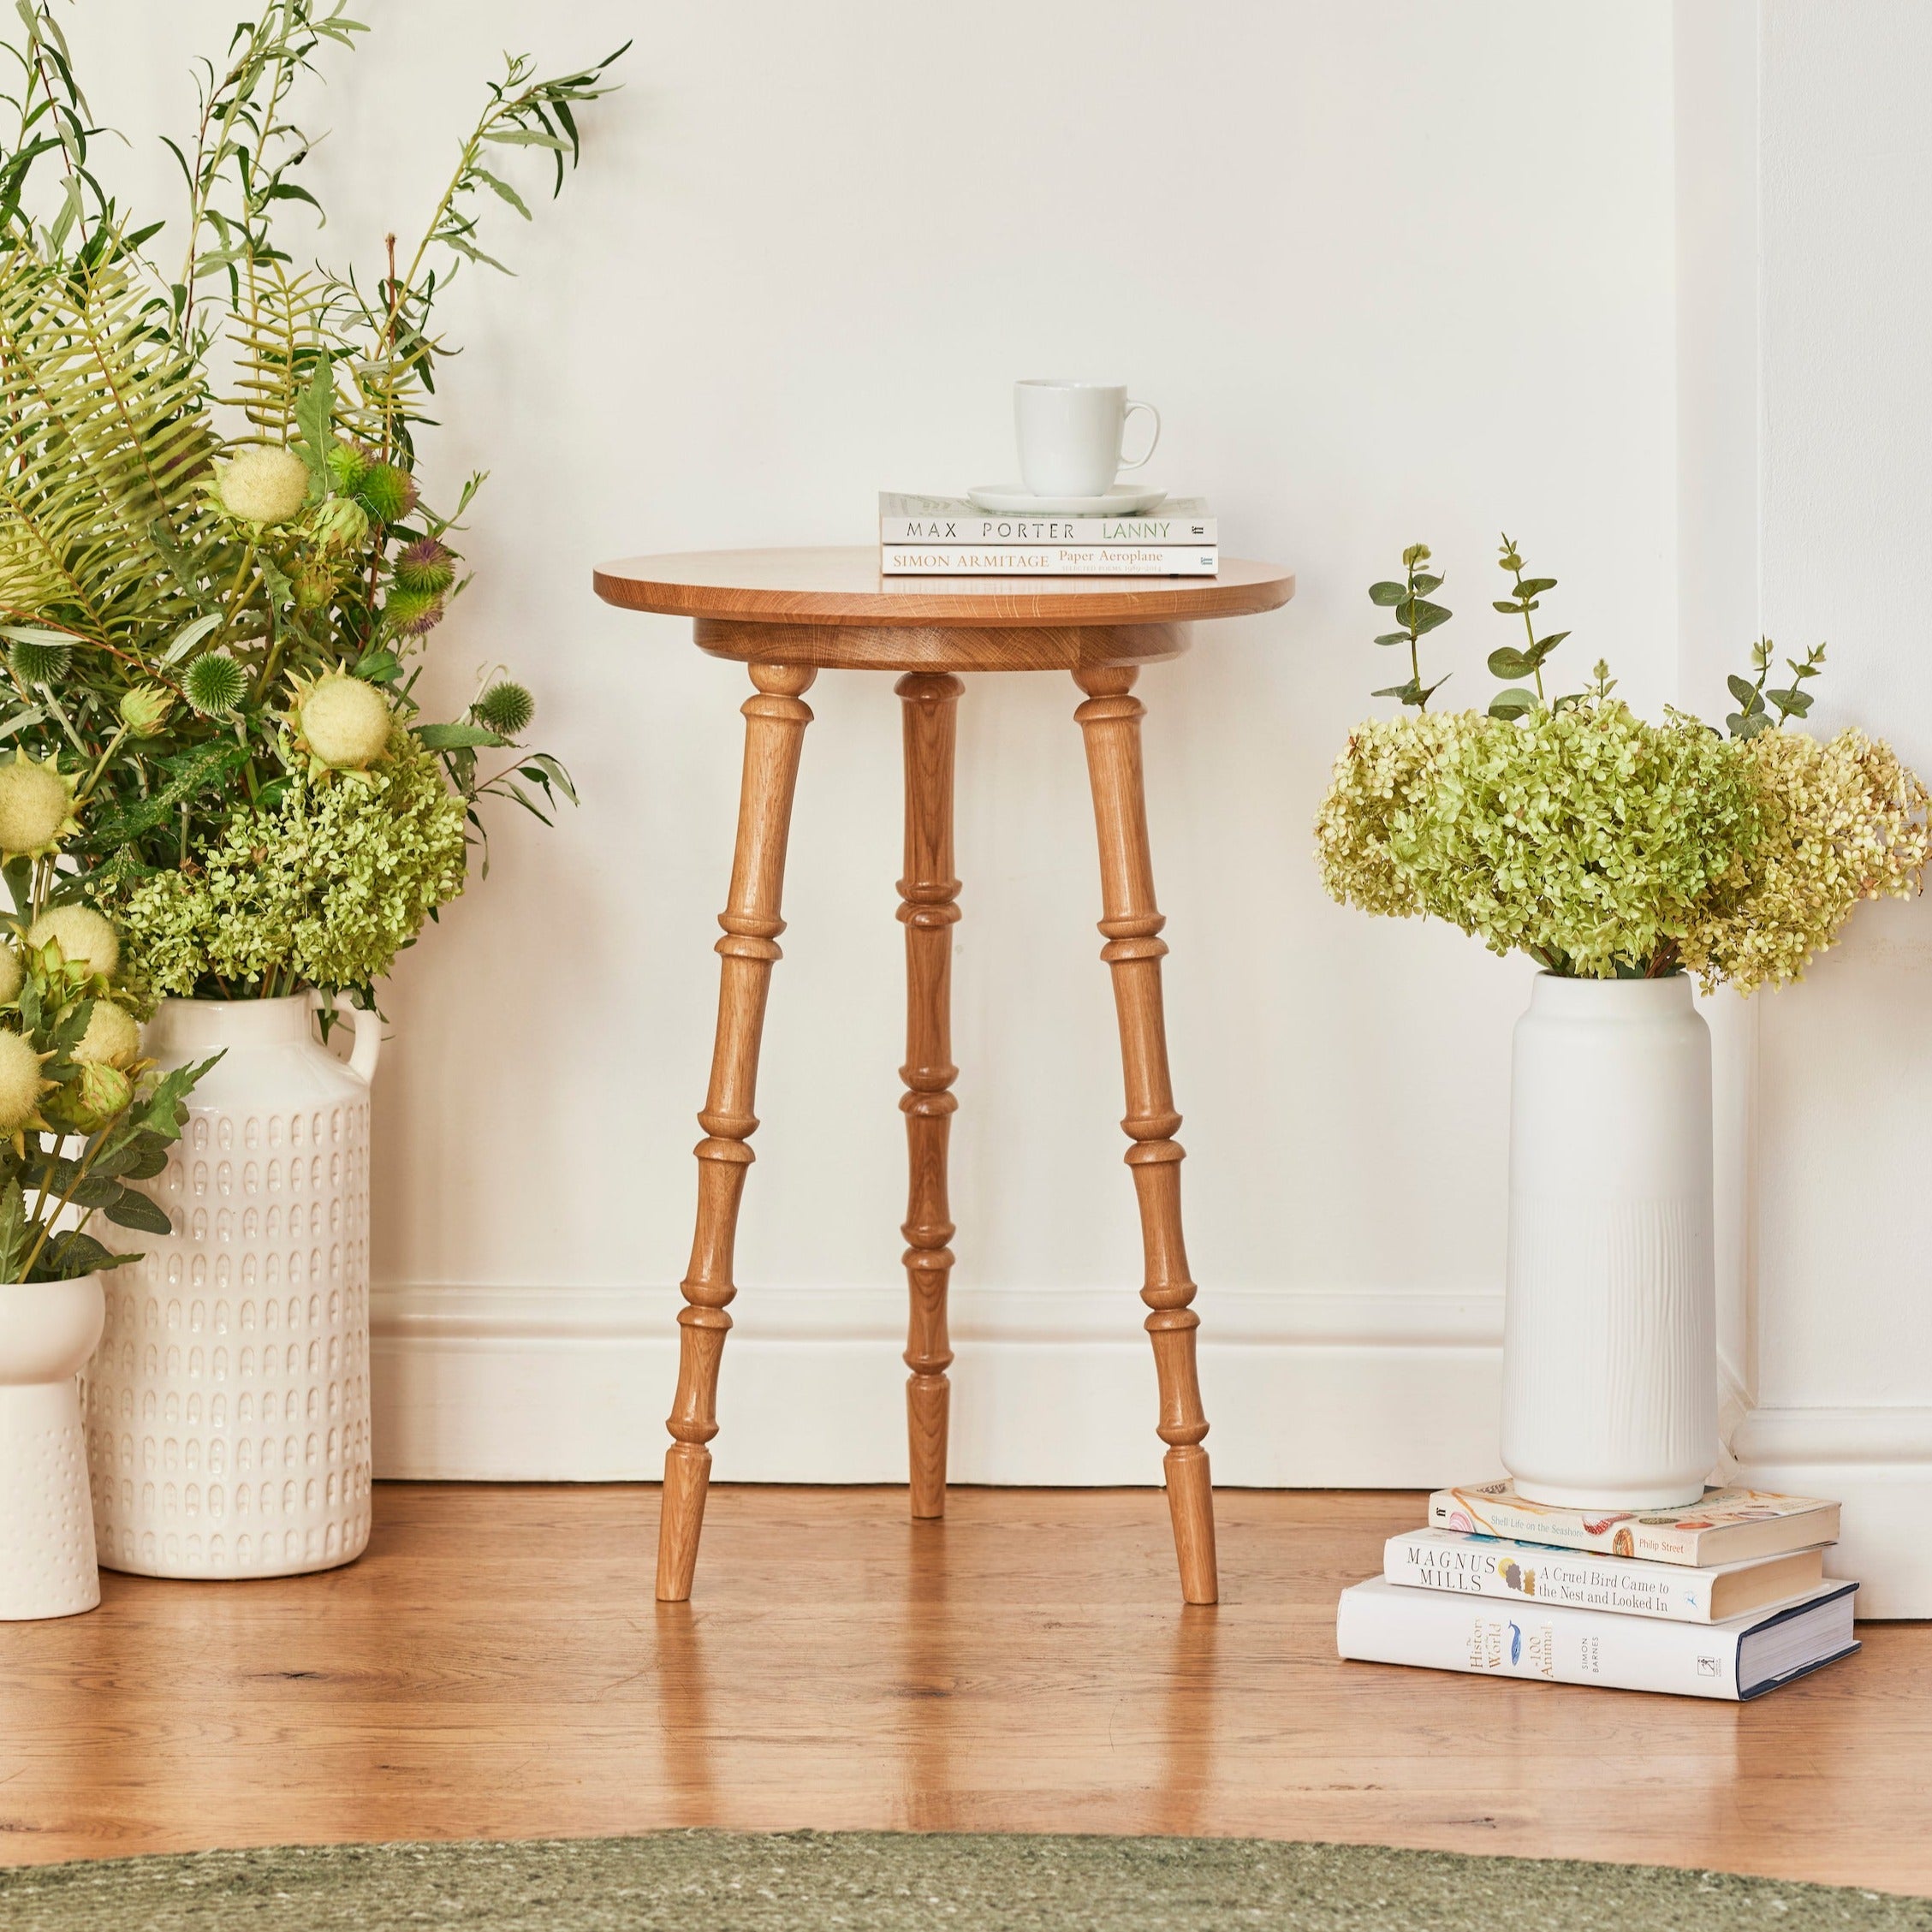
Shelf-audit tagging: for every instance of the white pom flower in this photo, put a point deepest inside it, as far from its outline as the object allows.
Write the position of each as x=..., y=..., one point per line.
x=341, y=721
x=21, y=1083
x=36, y=807
x=84, y=938
x=261, y=483
x=12, y=975
x=112, y=1039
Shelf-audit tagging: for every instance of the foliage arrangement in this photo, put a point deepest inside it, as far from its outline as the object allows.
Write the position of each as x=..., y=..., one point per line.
x=218, y=573
x=1602, y=844
x=82, y=1115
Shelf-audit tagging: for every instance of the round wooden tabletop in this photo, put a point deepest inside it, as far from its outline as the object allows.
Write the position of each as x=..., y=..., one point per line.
x=818, y=588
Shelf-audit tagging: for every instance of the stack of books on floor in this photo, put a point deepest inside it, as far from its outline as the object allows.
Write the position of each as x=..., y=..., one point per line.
x=949, y=536
x=1725, y=1598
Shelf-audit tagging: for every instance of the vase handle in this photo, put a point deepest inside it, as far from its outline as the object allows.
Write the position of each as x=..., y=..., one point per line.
x=368, y=1048
x=368, y=1042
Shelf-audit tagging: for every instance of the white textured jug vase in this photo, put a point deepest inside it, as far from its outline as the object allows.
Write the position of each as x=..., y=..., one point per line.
x=1609, y=1382
x=227, y=1404
x=48, y=1329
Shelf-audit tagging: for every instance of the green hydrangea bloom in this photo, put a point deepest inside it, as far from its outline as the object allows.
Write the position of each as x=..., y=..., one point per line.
x=1587, y=837
x=326, y=887
x=1844, y=821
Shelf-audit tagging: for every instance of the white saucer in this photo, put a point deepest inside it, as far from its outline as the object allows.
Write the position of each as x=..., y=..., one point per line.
x=1014, y=499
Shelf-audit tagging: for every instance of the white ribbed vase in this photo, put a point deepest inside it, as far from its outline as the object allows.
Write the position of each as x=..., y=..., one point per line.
x=227, y=1404
x=47, y=1331
x=1609, y=1341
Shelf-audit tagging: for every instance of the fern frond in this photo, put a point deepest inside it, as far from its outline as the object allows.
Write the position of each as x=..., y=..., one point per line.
x=104, y=435
x=277, y=334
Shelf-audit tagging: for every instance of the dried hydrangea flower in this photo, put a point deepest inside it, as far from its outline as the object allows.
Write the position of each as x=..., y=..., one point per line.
x=1587, y=837
x=1844, y=820
x=327, y=884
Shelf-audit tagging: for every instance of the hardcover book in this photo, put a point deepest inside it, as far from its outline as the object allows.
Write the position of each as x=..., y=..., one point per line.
x=1047, y=560
x=953, y=520
x=1473, y=1566
x=1728, y=1526
x=1381, y=1622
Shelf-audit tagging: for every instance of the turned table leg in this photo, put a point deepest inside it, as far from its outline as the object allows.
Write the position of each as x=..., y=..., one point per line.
x=1110, y=725
x=774, y=733
x=928, y=906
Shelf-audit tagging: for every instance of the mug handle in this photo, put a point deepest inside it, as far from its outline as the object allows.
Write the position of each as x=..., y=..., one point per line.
x=1153, y=442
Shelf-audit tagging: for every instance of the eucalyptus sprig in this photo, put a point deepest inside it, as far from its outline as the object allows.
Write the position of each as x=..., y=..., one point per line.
x=1417, y=617
x=1510, y=664
x=1752, y=715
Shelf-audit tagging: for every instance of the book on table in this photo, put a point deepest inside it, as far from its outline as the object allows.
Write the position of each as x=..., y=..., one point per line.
x=1383, y=1622
x=950, y=537
x=954, y=520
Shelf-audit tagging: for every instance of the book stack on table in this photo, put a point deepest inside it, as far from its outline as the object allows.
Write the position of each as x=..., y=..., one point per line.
x=1725, y=1598
x=949, y=536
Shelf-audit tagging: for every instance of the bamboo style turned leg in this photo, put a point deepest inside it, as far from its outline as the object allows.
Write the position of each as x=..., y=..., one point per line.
x=775, y=722
x=1110, y=725
x=929, y=908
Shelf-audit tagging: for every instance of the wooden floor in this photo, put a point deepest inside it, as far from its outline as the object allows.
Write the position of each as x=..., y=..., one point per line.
x=496, y=1667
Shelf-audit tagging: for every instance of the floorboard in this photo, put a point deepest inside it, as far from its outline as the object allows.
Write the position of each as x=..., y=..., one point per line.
x=496, y=1667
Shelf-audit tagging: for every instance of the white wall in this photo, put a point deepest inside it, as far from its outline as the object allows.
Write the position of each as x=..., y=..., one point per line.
x=1391, y=270
x=1839, y=283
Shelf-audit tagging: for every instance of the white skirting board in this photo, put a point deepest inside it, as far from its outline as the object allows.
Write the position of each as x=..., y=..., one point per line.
x=1878, y=1462
x=1358, y=1388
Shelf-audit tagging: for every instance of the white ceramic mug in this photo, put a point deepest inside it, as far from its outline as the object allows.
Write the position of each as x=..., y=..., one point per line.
x=1071, y=435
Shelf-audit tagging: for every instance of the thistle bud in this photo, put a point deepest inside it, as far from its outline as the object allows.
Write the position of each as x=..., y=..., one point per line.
x=341, y=524
x=412, y=613
x=214, y=685
x=388, y=492
x=145, y=709
x=426, y=566
x=96, y=1094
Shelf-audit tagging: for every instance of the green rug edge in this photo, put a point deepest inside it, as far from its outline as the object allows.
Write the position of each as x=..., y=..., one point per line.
x=698, y=1878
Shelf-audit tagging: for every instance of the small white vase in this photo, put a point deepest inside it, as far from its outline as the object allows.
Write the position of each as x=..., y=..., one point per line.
x=48, y=1329
x=1609, y=1343
x=227, y=1404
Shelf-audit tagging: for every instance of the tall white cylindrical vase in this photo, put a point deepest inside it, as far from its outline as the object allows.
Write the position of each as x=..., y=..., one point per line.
x=48, y=1329
x=227, y=1404
x=1609, y=1344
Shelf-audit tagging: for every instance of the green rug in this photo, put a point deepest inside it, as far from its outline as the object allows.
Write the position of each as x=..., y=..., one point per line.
x=882, y=1882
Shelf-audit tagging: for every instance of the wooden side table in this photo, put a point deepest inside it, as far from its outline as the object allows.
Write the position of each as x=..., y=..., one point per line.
x=787, y=614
